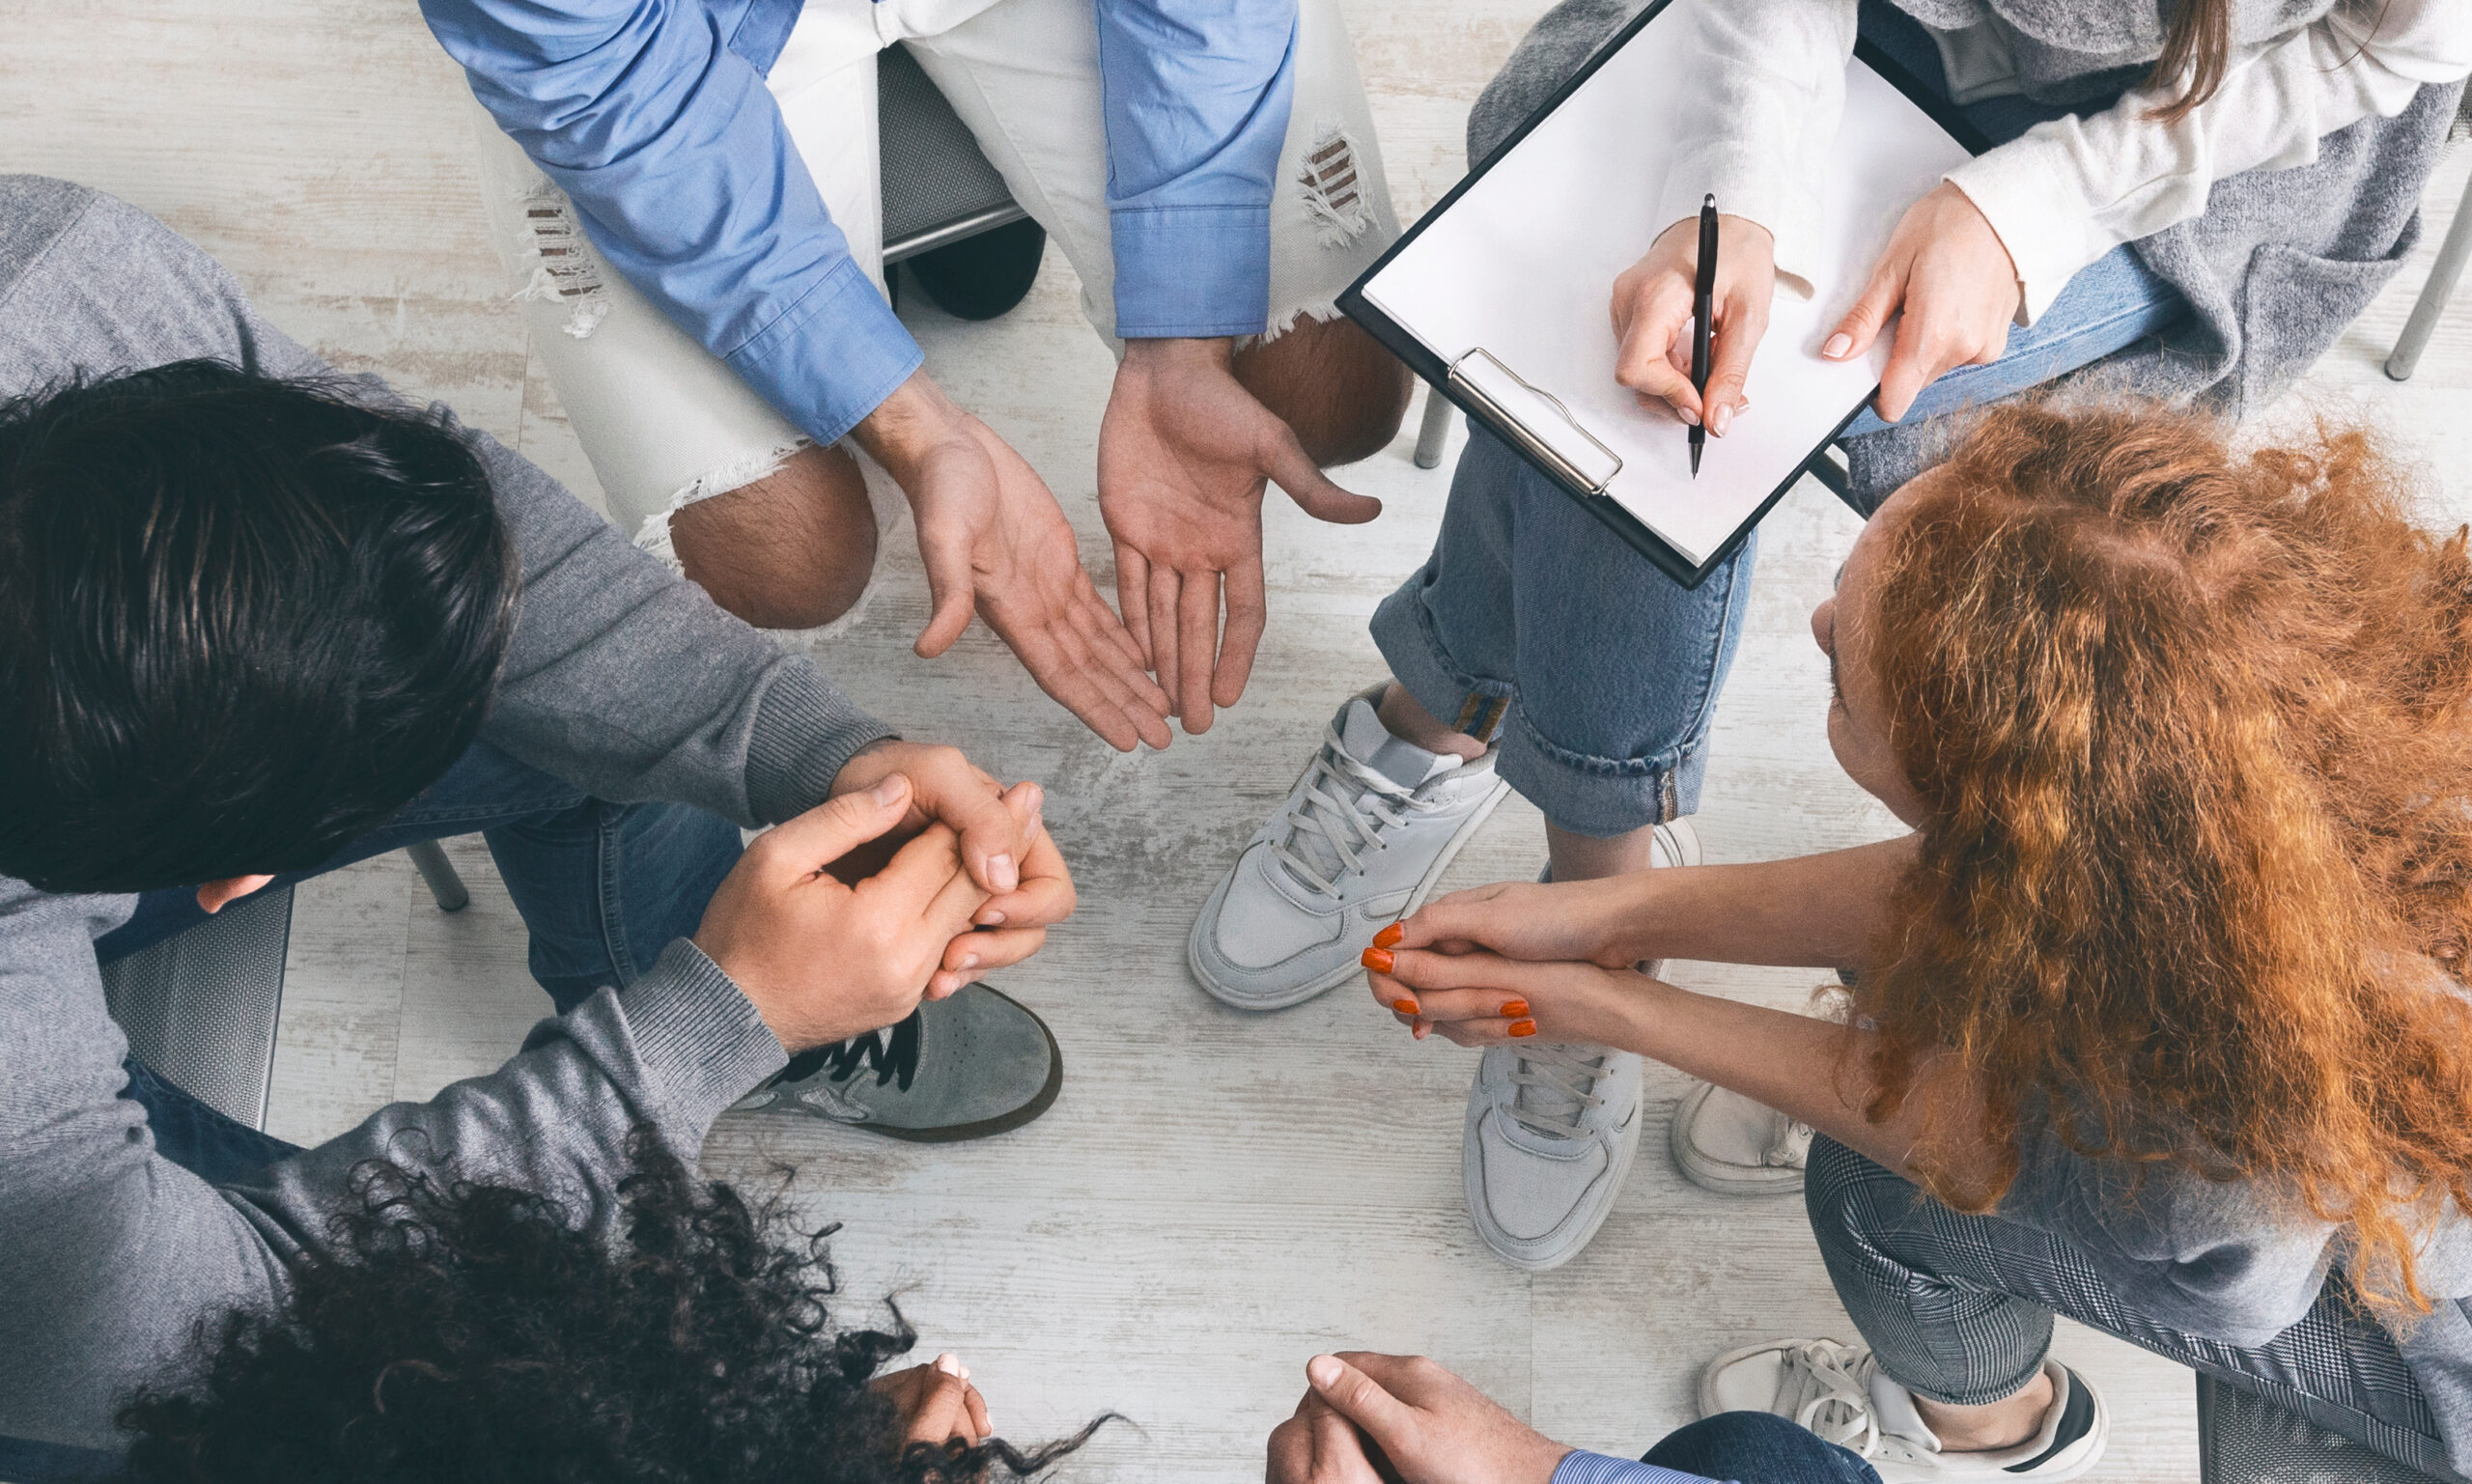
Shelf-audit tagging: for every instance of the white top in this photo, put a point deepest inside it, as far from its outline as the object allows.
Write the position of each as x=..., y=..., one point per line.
x=2068, y=191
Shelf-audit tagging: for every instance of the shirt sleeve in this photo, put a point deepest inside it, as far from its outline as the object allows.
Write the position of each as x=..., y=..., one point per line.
x=1580, y=1468
x=1195, y=98
x=1775, y=89
x=2071, y=190
x=686, y=179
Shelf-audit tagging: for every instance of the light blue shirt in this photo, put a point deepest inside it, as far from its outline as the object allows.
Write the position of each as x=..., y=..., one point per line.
x=654, y=117
x=1581, y=1467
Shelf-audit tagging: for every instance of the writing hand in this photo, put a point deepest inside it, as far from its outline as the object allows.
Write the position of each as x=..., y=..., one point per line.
x=1651, y=310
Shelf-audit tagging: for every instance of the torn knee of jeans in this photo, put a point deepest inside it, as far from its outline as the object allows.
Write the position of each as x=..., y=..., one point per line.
x=1333, y=188
x=565, y=271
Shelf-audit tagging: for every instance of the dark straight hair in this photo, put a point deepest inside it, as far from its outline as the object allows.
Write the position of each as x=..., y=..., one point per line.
x=241, y=621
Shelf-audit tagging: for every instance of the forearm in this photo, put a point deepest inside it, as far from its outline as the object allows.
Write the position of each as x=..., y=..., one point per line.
x=1809, y=912
x=1812, y=1070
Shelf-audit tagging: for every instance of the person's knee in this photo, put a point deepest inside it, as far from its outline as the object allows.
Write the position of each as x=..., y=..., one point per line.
x=1335, y=385
x=1834, y=1187
x=791, y=550
x=1752, y=1445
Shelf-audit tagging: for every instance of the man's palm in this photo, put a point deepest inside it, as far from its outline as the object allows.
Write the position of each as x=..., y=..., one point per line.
x=995, y=541
x=1184, y=455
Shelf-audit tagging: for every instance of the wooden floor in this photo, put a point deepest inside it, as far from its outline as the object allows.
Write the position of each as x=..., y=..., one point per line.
x=1216, y=1196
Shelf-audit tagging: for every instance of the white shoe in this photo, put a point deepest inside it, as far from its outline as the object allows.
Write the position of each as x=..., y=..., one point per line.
x=1550, y=1130
x=1839, y=1392
x=1724, y=1142
x=1364, y=836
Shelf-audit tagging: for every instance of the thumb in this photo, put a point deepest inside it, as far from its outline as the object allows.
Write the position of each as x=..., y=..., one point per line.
x=1862, y=323
x=839, y=826
x=1294, y=470
x=946, y=556
x=1358, y=1398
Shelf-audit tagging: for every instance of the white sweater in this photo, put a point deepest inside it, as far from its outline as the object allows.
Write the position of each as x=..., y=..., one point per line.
x=2068, y=191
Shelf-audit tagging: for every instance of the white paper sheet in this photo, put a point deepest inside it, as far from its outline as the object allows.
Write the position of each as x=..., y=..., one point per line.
x=1524, y=266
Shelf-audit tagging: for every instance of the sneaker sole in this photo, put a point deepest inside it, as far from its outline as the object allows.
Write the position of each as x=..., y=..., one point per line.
x=1315, y=988
x=1625, y=1152
x=986, y=1128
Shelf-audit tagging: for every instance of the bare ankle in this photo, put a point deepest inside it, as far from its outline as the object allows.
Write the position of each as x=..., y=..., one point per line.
x=1405, y=719
x=2001, y=1424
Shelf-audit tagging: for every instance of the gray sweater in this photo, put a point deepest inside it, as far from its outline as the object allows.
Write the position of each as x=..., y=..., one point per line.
x=621, y=678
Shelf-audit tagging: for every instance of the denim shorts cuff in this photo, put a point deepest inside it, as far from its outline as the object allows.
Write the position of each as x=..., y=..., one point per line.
x=1597, y=797
x=1590, y=796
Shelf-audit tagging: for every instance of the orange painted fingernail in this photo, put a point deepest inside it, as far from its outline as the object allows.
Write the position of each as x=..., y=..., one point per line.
x=1404, y=1006
x=1523, y=1027
x=1516, y=1007
x=1388, y=938
x=1377, y=959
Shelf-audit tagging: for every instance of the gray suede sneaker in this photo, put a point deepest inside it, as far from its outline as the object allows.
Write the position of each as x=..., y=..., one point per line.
x=971, y=1065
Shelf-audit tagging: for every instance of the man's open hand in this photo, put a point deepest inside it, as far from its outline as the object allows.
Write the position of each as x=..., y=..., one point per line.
x=995, y=543
x=1184, y=452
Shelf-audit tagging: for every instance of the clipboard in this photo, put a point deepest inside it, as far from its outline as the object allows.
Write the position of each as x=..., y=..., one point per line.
x=1532, y=406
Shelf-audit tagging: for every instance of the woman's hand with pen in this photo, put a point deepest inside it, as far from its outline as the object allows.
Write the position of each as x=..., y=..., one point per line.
x=1652, y=318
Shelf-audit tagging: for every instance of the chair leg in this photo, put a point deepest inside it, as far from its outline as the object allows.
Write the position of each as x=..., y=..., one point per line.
x=2443, y=278
x=1434, y=430
x=444, y=885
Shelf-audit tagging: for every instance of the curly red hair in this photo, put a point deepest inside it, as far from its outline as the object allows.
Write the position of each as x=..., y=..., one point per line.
x=2190, y=728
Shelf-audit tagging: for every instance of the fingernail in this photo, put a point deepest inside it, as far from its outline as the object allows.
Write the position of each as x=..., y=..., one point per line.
x=1689, y=417
x=1837, y=345
x=970, y=961
x=1523, y=1027
x=891, y=791
x=1038, y=799
x=1322, y=1371
x=1000, y=872
x=951, y=1366
x=1516, y=1007
x=1404, y=1006
x=1720, y=419
x=991, y=918
x=1377, y=959
x=1388, y=938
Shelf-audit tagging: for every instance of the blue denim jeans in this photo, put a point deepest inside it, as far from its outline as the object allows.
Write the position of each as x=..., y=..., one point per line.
x=1532, y=626
x=601, y=889
x=1755, y=1447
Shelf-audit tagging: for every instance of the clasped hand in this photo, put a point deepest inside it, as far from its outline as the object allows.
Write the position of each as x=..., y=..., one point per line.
x=1508, y=962
x=1944, y=271
x=1403, y=1419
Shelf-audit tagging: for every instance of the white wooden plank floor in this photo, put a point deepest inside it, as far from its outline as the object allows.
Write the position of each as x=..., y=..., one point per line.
x=1216, y=1196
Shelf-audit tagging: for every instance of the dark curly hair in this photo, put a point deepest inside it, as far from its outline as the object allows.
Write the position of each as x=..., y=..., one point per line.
x=468, y=1331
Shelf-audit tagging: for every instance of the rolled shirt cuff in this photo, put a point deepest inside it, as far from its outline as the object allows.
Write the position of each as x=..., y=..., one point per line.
x=1194, y=271
x=806, y=732
x=1582, y=1467
x=828, y=359
x=699, y=1038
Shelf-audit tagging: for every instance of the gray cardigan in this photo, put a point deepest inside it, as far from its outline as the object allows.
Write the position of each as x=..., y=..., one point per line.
x=2278, y=263
x=621, y=678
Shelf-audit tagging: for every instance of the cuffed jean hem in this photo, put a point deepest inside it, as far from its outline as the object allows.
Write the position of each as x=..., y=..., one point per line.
x=1597, y=797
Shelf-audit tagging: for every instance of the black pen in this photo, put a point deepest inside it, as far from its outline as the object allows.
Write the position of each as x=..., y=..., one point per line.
x=1703, y=294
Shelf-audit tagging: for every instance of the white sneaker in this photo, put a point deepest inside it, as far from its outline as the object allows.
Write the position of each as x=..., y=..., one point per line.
x=1360, y=841
x=1551, y=1130
x=1839, y=1392
x=1724, y=1142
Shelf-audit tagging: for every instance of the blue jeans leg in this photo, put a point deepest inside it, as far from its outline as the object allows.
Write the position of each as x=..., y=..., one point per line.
x=1755, y=1447
x=602, y=888
x=1532, y=625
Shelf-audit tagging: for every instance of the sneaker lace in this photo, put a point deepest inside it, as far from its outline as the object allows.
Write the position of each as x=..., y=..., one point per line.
x=1557, y=1087
x=1837, y=1403
x=891, y=1053
x=1344, y=809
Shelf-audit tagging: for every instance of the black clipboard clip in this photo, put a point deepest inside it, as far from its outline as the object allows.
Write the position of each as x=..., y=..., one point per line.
x=1528, y=416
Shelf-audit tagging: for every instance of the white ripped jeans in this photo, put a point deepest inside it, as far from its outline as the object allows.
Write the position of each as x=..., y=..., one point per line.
x=666, y=423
